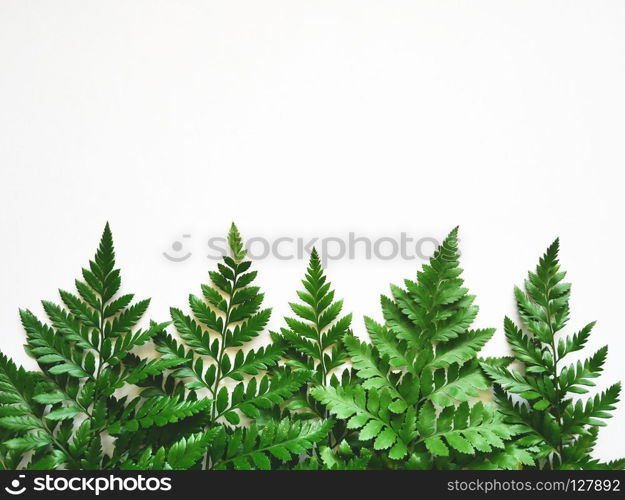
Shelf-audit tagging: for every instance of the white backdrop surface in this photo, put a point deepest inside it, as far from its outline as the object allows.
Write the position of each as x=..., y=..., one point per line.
x=315, y=118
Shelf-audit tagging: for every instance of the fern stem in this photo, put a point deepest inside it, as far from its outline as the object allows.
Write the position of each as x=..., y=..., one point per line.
x=333, y=440
x=215, y=389
x=222, y=348
x=556, y=381
x=96, y=391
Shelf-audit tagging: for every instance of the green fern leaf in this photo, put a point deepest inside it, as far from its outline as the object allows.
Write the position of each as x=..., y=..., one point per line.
x=554, y=426
x=316, y=334
x=255, y=448
x=424, y=355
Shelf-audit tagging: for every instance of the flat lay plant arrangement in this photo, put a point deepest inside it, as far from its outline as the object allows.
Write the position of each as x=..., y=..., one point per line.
x=416, y=395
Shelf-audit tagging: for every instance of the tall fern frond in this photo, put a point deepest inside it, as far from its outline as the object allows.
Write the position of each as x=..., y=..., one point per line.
x=214, y=347
x=85, y=354
x=314, y=340
x=276, y=443
x=560, y=427
x=422, y=357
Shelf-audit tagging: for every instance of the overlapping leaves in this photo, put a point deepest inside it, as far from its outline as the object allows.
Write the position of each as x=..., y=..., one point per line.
x=85, y=355
x=421, y=358
x=215, y=352
x=211, y=400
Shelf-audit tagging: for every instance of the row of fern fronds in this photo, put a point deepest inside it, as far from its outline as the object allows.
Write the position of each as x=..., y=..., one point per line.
x=316, y=396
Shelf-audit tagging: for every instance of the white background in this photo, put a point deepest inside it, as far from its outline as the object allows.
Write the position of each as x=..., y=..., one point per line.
x=315, y=118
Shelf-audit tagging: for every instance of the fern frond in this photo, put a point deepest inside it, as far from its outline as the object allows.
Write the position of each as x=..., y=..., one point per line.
x=85, y=355
x=555, y=425
x=464, y=429
x=183, y=454
x=425, y=354
x=343, y=457
x=224, y=320
x=156, y=411
x=596, y=409
x=314, y=340
x=214, y=349
x=368, y=411
x=315, y=336
x=23, y=416
x=254, y=448
x=254, y=396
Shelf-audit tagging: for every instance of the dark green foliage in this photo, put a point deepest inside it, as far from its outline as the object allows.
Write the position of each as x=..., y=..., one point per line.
x=64, y=412
x=217, y=358
x=210, y=398
x=556, y=423
x=340, y=457
x=315, y=344
x=181, y=455
x=316, y=334
x=418, y=374
x=278, y=441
